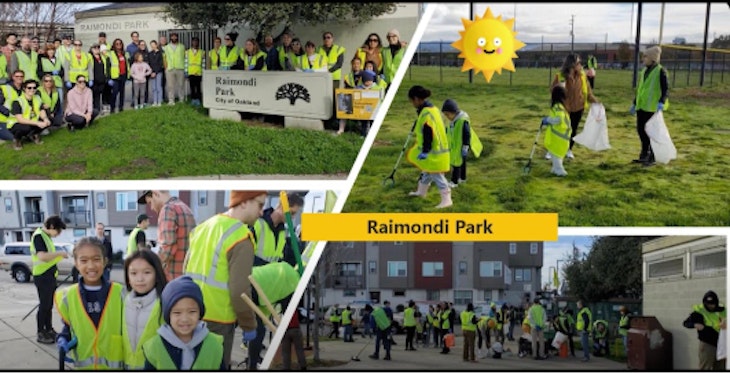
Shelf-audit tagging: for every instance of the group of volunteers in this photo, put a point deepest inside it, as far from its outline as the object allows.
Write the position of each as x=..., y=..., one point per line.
x=179, y=307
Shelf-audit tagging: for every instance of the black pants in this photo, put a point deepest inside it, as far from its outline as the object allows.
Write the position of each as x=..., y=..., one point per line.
x=20, y=131
x=575, y=118
x=46, y=286
x=97, y=93
x=445, y=349
x=335, y=330
x=256, y=346
x=106, y=95
x=56, y=119
x=436, y=341
x=381, y=336
x=365, y=127
x=78, y=121
x=195, y=90
x=590, y=81
x=164, y=86
x=120, y=86
x=410, y=334
x=479, y=338
x=642, y=118
x=458, y=172
x=570, y=344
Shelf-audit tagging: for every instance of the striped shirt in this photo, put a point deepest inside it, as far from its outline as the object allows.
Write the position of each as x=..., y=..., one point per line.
x=174, y=224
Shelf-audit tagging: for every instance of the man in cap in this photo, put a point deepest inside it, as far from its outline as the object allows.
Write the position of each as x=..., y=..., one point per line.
x=175, y=221
x=220, y=261
x=137, y=238
x=708, y=318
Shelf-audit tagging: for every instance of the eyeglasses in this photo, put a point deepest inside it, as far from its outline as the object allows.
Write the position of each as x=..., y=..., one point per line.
x=372, y=40
x=31, y=88
x=79, y=82
x=327, y=37
x=77, y=44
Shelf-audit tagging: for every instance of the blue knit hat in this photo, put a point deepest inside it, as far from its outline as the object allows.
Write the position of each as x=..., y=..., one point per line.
x=367, y=75
x=450, y=106
x=177, y=289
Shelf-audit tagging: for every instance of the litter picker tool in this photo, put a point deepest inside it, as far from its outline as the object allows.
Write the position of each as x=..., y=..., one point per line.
x=357, y=356
x=294, y=240
x=391, y=177
x=267, y=302
x=528, y=167
x=62, y=358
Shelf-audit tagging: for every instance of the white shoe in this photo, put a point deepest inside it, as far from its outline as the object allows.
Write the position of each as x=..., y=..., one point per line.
x=462, y=181
x=453, y=185
x=548, y=156
x=570, y=155
x=172, y=102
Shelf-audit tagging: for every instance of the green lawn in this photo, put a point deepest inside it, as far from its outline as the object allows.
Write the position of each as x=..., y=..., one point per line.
x=601, y=189
x=179, y=141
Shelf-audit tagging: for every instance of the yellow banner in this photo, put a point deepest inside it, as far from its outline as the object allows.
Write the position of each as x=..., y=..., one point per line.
x=357, y=103
x=430, y=227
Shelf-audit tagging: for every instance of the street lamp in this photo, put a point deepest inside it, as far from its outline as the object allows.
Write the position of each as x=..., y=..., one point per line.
x=557, y=266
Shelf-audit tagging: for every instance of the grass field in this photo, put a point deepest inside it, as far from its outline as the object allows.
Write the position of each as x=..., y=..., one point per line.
x=179, y=141
x=601, y=189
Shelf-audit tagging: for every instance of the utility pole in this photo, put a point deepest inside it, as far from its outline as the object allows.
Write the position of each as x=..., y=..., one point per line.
x=572, y=33
x=636, y=49
x=661, y=25
x=704, y=45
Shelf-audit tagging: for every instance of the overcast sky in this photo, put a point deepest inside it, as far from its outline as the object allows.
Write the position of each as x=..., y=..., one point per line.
x=592, y=21
x=553, y=251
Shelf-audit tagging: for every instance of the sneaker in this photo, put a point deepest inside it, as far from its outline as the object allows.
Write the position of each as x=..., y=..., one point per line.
x=374, y=357
x=52, y=333
x=45, y=132
x=453, y=185
x=570, y=154
x=37, y=139
x=584, y=359
x=171, y=102
x=462, y=181
x=548, y=156
x=44, y=338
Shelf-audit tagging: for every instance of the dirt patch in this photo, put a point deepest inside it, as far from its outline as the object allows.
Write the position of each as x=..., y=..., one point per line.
x=382, y=143
x=34, y=177
x=142, y=163
x=75, y=168
x=700, y=94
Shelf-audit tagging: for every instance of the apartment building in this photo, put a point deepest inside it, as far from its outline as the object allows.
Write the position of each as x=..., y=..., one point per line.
x=459, y=272
x=24, y=211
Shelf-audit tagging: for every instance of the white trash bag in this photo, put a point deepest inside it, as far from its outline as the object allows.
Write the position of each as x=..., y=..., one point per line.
x=722, y=345
x=661, y=142
x=559, y=339
x=595, y=130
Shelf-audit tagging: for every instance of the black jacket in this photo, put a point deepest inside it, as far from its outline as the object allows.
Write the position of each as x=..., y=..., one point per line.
x=708, y=334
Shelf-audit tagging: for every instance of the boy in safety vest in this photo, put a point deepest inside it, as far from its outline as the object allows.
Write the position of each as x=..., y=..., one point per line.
x=92, y=311
x=184, y=341
x=651, y=97
x=600, y=338
x=708, y=319
x=459, y=134
x=557, y=136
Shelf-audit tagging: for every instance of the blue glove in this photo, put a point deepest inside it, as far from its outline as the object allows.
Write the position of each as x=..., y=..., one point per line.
x=464, y=150
x=55, y=72
x=538, y=328
x=68, y=85
x=62, y=344
x=544, y=122
x=91, y=84
x=422, y=156
x=251, y=67
x=632, y=110
x=110, y=82
x=308, y=71
x=660, y=107
x=249, y=336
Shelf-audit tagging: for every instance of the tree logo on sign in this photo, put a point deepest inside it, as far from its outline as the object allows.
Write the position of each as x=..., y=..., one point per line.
x=292, y=91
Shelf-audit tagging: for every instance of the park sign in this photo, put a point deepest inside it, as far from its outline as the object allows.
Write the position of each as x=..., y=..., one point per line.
x=289, y=94
x=357, y=104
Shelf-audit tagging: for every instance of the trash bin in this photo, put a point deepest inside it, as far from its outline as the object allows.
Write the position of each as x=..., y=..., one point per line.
x=650, y=345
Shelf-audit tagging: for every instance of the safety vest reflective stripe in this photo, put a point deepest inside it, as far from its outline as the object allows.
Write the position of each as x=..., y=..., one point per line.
x=210, y=279
x=175, y=57
x=132, y=241
x=228, y=58
x=29, y=65
x=563, y=135
x=79, y=66
x=331, y=57
x=31, y=111
x=40, y=267
x=134, y=357
x=275, y=250
x=580, y=324
x=49, y=67
x=101, y=362
x=319, y=62
x=466, y=321
x=557, y=139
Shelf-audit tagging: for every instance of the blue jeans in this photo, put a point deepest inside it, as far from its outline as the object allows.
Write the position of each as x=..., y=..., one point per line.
x=256, y=346
x=155, y=85
x=5, y=134
x=348, y=332
x=584, y=343
x=626, y=345
x=382, y=335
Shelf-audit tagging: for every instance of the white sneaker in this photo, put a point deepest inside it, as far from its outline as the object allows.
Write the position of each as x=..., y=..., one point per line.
x=453, y=185
x=462, y=181
x=172, y=102
x=570, y=154
x=548, y=156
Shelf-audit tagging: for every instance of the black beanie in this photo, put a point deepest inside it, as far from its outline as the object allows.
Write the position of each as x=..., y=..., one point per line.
x=450, y=106
x=710, y=298
x=178, y=289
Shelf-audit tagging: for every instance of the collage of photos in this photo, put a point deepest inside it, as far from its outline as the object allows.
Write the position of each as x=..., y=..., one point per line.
x=180, y=153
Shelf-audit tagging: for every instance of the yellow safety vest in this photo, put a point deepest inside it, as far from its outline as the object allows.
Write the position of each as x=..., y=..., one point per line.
x=712, y=319
x=390, y=63
x=381, y=319
x=649, y=91
x=592, y=62
x=580, y=325
x=445, y=323
x=65, y=54
x=281, y=52
x=194, y=61
x=331, y=57
x=175, y=57
x=466, y=321
x=49, y=67
x=538, y=315
x=78, y=66
x=346, y=317
x=207, y=263
x=438, y=158
x=214, y=59
x=277, y=279
x=334, y=317
x=482, y=323
x=409, y=319
x=3, y=66
x=29, y=65
x=228, y=58
x=132, y=241
x=49, y=100
x=134, y=358
x=252, y=60
x=361, y=54
x=454, y=133
x=114, y=63
x=557, y=137
x=268, y=248
x=296, y=61
x=319, y=62
x=40, y=267
x=209, y=357
x=31, y=112
x=598, y=334
x=10, y=95
x=100, y=347
x=623, y=331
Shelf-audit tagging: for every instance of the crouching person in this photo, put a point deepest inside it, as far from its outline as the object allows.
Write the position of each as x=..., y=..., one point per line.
x=80, y=110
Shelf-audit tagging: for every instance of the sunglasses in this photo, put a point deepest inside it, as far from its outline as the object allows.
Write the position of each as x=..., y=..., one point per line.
x=78, y=44
x=327, y=37
x=372, y=40
x=47, y=81
x=31, y=88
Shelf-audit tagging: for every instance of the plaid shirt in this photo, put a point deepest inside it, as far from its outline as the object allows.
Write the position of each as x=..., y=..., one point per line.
x=174, y=224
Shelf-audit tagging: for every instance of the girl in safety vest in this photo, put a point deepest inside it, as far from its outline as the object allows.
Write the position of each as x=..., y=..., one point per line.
x=651, y=97
x=294, y=57
x=145, y=279
x=92, y=311
x=253, y=58
x=557, y=136
x=184, y=341
x=459, y=134
x=430, y=153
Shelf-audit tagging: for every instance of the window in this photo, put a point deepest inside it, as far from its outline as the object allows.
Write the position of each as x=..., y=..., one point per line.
x=397, y=269
x=203, y=198
x=8, y=205
x=513, y=248
x=349, y=269
x=433, y=295
x=101, y=200
x=399, y=293
x=463, y=297
x=490, y=269
x=533, y=248
x=669, y=268
x=349, y=293
x=397, y=243
x=372, y=267
x=462, y=267
x=433, y=269
x=79, y=233
x=710, y=263
x=126, y=201
x=523, y=275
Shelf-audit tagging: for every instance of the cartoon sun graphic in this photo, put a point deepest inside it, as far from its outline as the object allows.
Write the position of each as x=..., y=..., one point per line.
x=488, y=44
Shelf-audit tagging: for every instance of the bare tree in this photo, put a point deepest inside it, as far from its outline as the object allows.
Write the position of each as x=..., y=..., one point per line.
x=37, y=19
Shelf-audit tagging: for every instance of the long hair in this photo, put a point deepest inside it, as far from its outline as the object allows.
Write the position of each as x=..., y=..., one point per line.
x=558, y=95
x=569, y=64
x=154, y=261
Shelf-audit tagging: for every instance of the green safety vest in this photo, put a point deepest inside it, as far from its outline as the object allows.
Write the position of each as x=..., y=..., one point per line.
x=445, y=323
x=438, y=158
x=597, y=334
x=649, y=91
x=29, y=65
x=132, y=241
x=319, y=62
x=361, y=54
x=208, y=263
x=175, y=57
x=381, y=319
x=557, y=137
x=3, y=66
x=40, y=267
x=31, y=112
x=429, y=318
x=194, y=61
x=252, y=60
x=49, y=67
x=100, y=347
x=592, y=62
x=296, y=61
x=712, y=319
x=331, y=57
x=134, y=358
x=65, y=54
x=281, y=52
x=409, y=318
x=623, y=331
x=268, y=247
x=350, y=80
x=10, y=95
x=49, y=99
x=209, y=357
x=454, y=132
x=114, y=63
x=346, y=317
x=277, y=279
x=228, y=58
x=334, y=317
x=390, y=63
x=538, y=315
x=466, y=321
x=565, y=321
x=579, y=324
x=214, y=59
x=78, y=66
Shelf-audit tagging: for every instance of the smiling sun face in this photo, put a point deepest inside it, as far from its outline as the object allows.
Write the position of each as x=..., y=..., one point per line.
x=488, y=44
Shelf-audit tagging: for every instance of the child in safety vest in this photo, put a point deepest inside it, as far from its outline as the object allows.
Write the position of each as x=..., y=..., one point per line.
x=557, y=136
x=145, y=279
x=184, y=341
x=367, y=83
x=459, y=134
x=92, y=312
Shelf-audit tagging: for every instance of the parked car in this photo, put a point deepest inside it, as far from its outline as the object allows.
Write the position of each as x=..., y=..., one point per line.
x=15, y=258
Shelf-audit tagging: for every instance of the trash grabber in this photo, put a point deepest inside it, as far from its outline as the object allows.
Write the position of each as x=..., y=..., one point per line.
x=357, y=356
x=391, y=177
x=62, y=358
x=258, y=311
x=37, y=305
x=284, y=199
x=528, y=167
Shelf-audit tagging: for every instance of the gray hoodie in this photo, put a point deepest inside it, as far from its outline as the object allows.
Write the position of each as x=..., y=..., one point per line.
x=188, y=349
x=137, y=311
